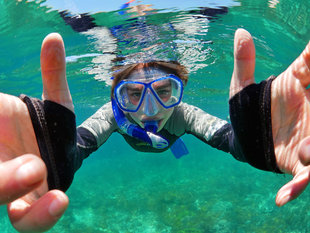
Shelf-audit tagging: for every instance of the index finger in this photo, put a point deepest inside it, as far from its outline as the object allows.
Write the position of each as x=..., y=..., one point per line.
x=19, y=176
x=300, y=68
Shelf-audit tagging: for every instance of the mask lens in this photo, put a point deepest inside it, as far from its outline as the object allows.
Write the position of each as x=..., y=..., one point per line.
x=129, y=95
x=168, y=91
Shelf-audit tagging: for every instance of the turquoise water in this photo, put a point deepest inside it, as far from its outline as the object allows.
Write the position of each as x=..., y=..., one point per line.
x=121, y=190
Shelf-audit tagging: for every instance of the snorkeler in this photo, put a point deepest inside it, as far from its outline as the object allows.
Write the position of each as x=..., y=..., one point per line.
x=33, y=204
x=146, y=108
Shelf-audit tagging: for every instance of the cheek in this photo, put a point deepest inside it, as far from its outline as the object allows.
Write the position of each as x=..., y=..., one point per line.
x=163, y=113
x=165, y=117
x=166, y=113
x=136, y=117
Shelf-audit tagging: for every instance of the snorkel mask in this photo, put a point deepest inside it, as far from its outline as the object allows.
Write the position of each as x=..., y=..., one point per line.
x=147, y=89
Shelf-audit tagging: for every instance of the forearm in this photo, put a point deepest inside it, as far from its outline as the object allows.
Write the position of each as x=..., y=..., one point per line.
x=93, y=132
x=86, y=144
x=250, y=113
x=214, y=131
x=224, y=139
x=63, y=147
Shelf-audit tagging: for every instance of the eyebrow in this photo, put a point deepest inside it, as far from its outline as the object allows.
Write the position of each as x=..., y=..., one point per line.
x=164, y=85
x=134, y=88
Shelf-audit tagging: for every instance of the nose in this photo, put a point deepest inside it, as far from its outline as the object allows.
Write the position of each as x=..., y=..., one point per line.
x=150, y=105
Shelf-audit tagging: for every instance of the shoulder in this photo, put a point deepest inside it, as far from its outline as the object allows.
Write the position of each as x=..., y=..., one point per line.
x=104, y=113
x=188, y=111
x=103, y=116
x=177, y=123
x=197, y=121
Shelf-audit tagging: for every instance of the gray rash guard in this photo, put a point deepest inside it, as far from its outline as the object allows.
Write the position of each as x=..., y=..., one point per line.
x=185, y=119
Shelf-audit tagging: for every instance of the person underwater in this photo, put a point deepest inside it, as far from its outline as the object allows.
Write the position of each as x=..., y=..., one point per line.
x=57, y=148
x=46, y=134
x=146, y=108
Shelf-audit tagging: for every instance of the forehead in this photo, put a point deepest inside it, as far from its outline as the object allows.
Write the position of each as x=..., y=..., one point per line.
x=147, y=74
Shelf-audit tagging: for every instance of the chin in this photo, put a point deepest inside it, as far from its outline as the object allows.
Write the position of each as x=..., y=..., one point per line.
x=160, y=125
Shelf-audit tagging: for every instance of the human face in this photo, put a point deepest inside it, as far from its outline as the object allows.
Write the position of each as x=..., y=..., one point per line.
x=161, y=88
x=161, y=117
x=149, y=95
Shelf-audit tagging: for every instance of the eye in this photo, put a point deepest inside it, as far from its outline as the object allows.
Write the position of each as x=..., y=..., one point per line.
x=134, y=96
x=164, y=93
x=163, y=89
x=134, y=92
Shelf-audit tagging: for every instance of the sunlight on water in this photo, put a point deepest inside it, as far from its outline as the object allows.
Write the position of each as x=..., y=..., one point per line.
x=121, y=190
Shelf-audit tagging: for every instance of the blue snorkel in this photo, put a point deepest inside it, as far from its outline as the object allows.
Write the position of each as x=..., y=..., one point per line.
x=136, y=131
x=148, y=134
x=124, y=6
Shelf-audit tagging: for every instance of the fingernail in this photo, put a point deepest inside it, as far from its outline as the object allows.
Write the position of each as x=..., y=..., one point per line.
x=56, y=208
x=284, y=199
x=27, y=174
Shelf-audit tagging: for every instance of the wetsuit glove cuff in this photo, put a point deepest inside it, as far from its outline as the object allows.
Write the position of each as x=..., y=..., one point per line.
x=55, y=130
x=250, y=115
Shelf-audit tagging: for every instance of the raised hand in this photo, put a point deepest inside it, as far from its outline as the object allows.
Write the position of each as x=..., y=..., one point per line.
x=290, y=112
x=23, y=184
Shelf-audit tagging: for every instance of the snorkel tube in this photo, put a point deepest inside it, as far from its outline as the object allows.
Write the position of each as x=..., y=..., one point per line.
x=147, y=135
x=125, y=5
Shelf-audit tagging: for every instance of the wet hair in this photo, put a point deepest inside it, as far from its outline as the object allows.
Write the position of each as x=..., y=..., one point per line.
x=171, y=67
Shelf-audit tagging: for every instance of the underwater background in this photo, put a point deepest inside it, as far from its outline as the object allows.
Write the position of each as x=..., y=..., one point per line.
x=118, y=189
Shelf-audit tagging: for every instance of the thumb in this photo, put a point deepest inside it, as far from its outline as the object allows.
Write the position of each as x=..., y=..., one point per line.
x=304, y=151
x=294, y=188
x=244, y=62
x=53, y=68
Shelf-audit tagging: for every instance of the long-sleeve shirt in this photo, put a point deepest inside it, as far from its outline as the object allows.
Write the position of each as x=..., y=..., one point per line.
x=185, y=119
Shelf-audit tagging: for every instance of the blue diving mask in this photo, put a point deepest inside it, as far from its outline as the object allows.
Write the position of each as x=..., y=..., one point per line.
x=148, y=89
x=167, y=91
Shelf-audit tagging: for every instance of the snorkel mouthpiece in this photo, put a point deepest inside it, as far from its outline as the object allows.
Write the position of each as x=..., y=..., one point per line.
x=151, y=126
